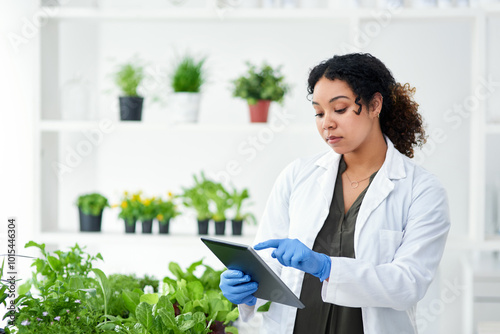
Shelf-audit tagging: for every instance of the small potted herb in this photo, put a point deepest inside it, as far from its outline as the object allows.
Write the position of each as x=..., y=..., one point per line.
x=222, y=201
x=186, y=82
x=237, y=199
x=128, y=77
x=90, y=208
x=129, y=210
x=166, y=210
x=147, y=212
x=259, y=87
x=196, y=198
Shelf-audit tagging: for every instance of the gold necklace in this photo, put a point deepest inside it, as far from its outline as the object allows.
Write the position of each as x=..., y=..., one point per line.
x=355, y=184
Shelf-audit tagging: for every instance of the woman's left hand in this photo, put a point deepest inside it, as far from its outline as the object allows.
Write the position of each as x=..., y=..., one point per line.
x=293, y=253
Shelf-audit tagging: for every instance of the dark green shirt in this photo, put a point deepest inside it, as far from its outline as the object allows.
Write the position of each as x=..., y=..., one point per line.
x=336, y=238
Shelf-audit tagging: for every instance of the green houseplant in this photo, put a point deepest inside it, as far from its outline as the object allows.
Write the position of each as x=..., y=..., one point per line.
x=195, y=197
x=130, y=210
x=128, y=78
x=237, y=199
x=186, y=81
x=259, y=87
x=147, y=212
x=222, y=201
x=166, y=210
x=90, y=208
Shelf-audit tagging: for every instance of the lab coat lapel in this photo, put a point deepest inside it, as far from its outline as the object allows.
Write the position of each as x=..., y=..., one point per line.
x=381, y=186
x=326, y=182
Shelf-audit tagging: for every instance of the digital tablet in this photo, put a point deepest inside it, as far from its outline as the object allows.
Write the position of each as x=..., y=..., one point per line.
x=245, y=259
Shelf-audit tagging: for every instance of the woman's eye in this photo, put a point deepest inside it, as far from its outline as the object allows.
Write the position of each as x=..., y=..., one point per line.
x=340, y=111
x=320, y=114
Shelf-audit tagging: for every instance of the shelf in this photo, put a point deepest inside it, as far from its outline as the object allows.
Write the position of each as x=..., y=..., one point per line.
x=493, y=128
x=257, y=13
x=75, y=126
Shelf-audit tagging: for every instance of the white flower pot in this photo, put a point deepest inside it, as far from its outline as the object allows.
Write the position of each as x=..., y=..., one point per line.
x=186, y=106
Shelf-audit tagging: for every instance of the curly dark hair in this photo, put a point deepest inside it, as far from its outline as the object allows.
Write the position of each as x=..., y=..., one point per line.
x=367, y=75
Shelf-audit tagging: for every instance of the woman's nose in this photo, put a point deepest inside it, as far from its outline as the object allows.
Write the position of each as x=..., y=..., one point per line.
x=329, y=122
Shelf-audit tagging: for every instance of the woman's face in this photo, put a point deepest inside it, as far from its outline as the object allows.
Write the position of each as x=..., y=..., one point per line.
x=337, y=119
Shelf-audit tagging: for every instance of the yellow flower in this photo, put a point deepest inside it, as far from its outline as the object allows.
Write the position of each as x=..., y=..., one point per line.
x=159, y=217
x=147, y=201
x=170, y=195
x=114, y=205
x=125, y=193
x=124, y=205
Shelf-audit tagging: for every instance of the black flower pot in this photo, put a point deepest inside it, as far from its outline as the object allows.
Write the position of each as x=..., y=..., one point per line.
x=147, y=226
x=237, y=226
x=203, y=227
x=131, y=108
x=129, y=226
x=220, y=227
x=164, y=226
x=90, y=223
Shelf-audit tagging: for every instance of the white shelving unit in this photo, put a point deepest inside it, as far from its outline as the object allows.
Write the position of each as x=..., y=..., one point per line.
x=51, y=129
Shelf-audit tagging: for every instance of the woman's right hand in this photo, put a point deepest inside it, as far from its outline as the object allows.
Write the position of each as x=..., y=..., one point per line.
x=238, y=287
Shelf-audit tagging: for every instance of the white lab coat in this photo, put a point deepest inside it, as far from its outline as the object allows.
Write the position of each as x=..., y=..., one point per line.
x=399, y=239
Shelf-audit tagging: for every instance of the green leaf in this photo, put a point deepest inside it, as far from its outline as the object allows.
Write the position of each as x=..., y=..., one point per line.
x=231, y=329
x=144, y=314
x=168, y=320
x=232, y=315
x=265, y=307
x=131, y=300
x=176, y=270
x=104, y=285
x=150, y=298
x=54, y=263
x=195, y=290
x=193, y=266
x=24, y=288
x=34, y=244
x=75, y=283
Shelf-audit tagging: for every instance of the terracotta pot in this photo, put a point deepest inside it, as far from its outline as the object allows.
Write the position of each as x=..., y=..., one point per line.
x=259, y=111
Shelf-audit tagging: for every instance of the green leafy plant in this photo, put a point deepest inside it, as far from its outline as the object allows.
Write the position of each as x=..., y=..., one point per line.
x=166, y=209
x=128, y=77
x=3, y=287
x=238, y=198
x=264, y=83
x=130, y=207
x=220, y=197
x=92, y=204
x=188, y=75
x=61, y=296
x=196, y=198
x=148, y=208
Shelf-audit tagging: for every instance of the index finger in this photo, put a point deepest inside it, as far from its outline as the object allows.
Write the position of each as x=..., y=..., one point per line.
x=271, y=243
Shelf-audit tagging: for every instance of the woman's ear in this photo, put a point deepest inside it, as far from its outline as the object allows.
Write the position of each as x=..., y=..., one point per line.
x=376, y=104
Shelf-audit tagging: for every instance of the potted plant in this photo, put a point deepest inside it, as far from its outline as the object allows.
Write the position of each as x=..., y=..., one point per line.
x=128, y=78
x=237, y=199
x=186, y=81
x=166, y=210
x=195, y=197
x=259, y=87
x=129, y=210
x=147, y=212
x=222, y=200
x=90, y=208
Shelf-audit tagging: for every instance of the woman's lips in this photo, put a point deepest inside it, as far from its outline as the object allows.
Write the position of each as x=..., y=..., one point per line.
x=333, y=139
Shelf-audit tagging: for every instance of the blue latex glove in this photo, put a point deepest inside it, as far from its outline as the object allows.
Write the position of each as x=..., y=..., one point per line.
x=293, y=253
x=238, y=287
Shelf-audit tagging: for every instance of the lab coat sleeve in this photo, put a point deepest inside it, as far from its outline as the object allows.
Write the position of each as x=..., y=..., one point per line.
x=274, y=224
x=402, y=282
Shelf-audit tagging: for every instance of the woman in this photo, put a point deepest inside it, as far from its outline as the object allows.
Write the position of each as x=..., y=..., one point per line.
x=357, y=232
